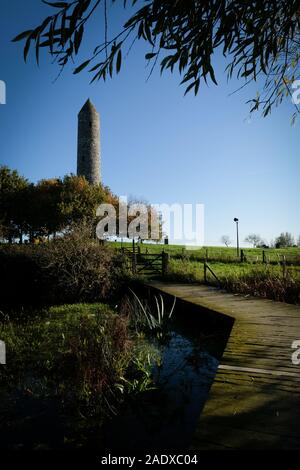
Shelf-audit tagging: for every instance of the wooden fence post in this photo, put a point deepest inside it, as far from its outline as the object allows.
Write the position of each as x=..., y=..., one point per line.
x=264, y=256
x=242, y=255
x=164, y=262
x=284, y=266
x=134, y=263
x=205, y=272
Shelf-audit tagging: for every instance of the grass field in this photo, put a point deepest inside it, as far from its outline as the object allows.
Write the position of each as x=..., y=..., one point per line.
x=217, y=253
x=274, y=274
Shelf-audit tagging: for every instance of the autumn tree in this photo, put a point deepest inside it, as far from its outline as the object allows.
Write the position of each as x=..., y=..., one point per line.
x=52, y=206
x=48, y=207
x=13, y=188
x=79, y=199
x=46, y=217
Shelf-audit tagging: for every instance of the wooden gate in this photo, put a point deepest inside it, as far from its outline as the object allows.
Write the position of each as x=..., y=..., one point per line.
x=148, y=264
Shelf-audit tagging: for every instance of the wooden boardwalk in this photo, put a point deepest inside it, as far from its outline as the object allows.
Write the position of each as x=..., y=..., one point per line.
x=254, y=402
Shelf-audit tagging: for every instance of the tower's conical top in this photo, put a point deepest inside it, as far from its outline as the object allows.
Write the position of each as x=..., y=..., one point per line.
x=88, y=107
x=88, y=153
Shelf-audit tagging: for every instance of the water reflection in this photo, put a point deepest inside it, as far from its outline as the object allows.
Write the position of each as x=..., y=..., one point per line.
x=165, y=418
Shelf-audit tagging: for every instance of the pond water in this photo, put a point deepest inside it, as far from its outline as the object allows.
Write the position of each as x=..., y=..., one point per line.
x=165, y=418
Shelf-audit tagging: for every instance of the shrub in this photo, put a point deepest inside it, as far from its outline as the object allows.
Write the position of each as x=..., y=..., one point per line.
x=73, y=268
x=21, y=275
x=79, y=269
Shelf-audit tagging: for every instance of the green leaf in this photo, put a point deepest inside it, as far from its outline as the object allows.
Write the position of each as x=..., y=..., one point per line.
x=191, y=85
x=56, y=4
x=212, y=74
x=267, y=110
x=148, y=33
x=150, y=55
x=81, y=66
x=37, y=50
x=248, y=72
x=48, y=43
x=119, y=61
x=23, y=35
x=96, y=67
x=197, y=83
x=26, y=48
x=110, y=67
x=78, y=38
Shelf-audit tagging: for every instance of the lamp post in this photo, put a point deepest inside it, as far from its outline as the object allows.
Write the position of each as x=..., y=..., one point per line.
x=236, y=220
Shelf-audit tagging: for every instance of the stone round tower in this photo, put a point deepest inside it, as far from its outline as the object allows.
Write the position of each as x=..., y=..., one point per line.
x=88, y=149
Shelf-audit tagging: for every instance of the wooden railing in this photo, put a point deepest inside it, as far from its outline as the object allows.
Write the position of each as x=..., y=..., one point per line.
x=208, y=268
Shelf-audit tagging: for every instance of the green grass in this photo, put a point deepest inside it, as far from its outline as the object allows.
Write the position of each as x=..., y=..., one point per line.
x=79, y=309
x=273, y=279
x=195, y=270
x=263, y=280
x=216, y=253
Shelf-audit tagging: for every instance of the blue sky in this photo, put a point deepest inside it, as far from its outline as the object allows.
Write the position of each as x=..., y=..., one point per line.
x=156, y=143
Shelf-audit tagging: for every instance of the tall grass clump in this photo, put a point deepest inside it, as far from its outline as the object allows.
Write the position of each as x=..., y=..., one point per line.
x=75, y=355
x=146, y=316
x=276, y=282
x=267, y=282
x=184, y=271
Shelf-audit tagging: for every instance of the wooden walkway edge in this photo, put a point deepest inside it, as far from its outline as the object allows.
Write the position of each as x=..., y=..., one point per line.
x=254, y=402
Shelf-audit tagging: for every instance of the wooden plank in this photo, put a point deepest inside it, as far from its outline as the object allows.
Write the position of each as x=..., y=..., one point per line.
x=254, y=402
